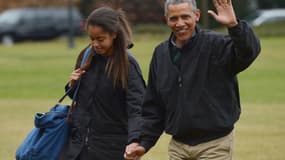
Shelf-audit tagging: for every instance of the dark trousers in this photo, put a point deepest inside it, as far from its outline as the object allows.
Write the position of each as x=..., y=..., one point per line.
x=99, y=148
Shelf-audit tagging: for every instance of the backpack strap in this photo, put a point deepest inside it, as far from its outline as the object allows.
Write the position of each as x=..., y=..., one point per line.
x=85, y=57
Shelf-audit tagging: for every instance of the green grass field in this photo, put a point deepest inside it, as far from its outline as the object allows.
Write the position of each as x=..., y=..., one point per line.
x=33, y=76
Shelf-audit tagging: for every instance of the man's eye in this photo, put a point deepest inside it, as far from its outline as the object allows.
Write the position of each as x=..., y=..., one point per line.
x=173, y=19
x=185, y=17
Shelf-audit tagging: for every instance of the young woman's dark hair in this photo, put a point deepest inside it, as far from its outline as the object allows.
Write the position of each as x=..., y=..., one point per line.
x=113, y=21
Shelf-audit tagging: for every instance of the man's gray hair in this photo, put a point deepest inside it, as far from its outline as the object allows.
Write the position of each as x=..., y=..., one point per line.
x=192, y=3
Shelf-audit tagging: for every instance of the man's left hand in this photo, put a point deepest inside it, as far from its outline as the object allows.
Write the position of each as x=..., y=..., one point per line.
x=225, y=13
x=134, y=152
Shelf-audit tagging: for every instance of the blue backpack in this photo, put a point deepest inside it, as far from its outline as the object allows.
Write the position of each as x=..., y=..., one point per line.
x=51, y=130
x=48, y=138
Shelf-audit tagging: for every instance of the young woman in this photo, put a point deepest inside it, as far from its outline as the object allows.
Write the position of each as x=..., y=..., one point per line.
x=106, y=116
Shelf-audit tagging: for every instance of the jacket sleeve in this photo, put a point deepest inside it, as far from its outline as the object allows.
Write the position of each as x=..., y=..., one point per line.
x=153, y=111
x=134, y=97
x=71, y=92
x=239, y=49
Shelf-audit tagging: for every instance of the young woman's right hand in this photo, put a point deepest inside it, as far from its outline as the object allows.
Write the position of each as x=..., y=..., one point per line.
x=75, y=75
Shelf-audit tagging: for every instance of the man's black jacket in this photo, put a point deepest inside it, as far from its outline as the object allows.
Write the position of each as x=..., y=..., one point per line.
x=202, y=96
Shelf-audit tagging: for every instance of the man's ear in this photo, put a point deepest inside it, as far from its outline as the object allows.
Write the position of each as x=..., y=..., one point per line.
x=198, y=14
x=166, y=19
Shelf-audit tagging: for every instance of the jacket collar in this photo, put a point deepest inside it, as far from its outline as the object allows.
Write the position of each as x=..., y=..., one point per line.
x=172, y=38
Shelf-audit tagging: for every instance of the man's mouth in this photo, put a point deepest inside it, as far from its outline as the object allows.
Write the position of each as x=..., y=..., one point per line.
x=182, y=31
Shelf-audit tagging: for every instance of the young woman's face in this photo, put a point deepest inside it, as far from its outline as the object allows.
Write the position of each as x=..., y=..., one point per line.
x=101, y=40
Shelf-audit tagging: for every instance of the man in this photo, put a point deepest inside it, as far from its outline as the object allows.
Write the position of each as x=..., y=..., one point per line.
x=192, y=91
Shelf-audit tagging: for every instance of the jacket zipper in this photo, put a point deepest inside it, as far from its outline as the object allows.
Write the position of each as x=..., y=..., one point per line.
x=87, y=135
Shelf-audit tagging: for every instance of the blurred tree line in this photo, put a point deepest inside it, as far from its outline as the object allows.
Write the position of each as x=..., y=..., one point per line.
x=266, y=4
x=147, y=11
x=138, y=11
x=8, y=4
x=151, y=11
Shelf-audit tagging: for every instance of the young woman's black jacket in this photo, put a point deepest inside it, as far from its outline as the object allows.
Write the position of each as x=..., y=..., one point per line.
x=105, y=118
x=200, y=101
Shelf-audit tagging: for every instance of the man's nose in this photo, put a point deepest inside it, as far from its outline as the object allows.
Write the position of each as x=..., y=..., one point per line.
x=180, y=22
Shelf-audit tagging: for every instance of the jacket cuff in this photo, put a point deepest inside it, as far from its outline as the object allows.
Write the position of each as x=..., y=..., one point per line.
x=133, y=139
x=67, y=86
x=236, y=30
x=147, y=145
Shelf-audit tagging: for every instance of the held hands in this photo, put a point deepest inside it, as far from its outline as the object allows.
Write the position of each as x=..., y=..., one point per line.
x=225, y=13
x=134, y=152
